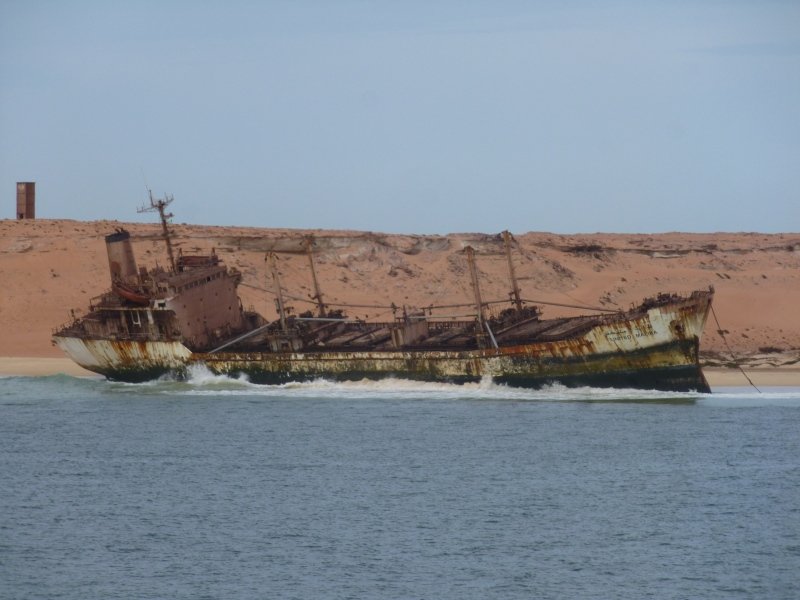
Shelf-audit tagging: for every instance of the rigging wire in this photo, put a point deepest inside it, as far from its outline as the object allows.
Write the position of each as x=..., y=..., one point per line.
x=733, y=356
x=394, y=307
x=582, y=306
x=433, y=306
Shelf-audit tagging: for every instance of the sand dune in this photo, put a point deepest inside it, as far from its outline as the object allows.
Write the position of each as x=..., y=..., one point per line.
x=50, y=267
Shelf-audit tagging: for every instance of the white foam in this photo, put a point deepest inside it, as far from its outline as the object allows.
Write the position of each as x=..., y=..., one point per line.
x=201, y=381
x=200, y=375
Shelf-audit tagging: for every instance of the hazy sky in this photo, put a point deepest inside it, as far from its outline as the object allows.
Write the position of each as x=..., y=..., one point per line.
x=407, y=116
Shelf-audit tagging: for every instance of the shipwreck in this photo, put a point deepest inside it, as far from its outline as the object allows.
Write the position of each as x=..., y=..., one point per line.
x=162, y=320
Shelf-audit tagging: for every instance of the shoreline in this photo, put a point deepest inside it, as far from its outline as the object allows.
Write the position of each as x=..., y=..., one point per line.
x=761, y=377
x=31, y=366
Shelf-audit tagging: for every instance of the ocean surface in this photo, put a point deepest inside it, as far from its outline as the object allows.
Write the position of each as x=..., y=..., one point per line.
x=217, y=488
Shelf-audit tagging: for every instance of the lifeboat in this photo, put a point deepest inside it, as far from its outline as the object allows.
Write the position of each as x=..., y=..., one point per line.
x=130, y=294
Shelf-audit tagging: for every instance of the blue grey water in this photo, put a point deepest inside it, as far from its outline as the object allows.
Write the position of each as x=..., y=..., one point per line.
x=216, y=488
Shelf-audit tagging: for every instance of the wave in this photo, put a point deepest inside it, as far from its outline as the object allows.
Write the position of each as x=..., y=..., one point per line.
x=200, y=381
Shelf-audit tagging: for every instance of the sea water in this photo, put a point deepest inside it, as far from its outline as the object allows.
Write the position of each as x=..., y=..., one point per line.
x=217, y=488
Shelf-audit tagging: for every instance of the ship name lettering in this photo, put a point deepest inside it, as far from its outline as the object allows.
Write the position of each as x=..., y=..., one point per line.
x=618, y=335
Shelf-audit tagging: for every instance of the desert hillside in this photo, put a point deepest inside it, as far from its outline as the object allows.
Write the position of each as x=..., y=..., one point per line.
x=48, y=267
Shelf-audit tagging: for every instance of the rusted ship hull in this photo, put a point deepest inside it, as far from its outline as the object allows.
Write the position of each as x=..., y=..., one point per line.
x=654, y=349
x=124, y=360
x=672, y=367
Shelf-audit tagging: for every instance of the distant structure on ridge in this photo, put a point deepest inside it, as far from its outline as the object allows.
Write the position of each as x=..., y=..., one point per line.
x=26, y=200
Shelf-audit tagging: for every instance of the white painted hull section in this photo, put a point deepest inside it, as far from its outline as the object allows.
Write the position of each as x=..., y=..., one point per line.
x=108, y=355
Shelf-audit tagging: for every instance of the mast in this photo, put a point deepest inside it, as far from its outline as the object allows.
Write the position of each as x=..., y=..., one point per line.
x=159, y=205
x=317, y=293
x=477, y=290
x=278, y=293
x=512, y=275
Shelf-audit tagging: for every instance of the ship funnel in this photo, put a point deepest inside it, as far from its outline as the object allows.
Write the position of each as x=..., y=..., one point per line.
x=121, y=262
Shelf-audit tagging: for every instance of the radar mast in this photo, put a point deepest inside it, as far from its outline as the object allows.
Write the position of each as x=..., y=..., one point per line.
x=158, y=204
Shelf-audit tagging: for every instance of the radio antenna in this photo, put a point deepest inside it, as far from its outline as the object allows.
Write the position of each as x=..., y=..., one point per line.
x=147, y=187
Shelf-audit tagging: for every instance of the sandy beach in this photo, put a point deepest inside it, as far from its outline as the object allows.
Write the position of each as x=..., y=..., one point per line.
x=51, y=269
x=760, y=377
x=17, y=366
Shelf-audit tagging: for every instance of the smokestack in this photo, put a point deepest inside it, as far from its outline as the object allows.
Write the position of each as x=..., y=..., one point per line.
x=121, y=262
x=26, y=200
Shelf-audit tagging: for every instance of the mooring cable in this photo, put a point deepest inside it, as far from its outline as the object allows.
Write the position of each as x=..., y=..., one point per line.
x=733, y=356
